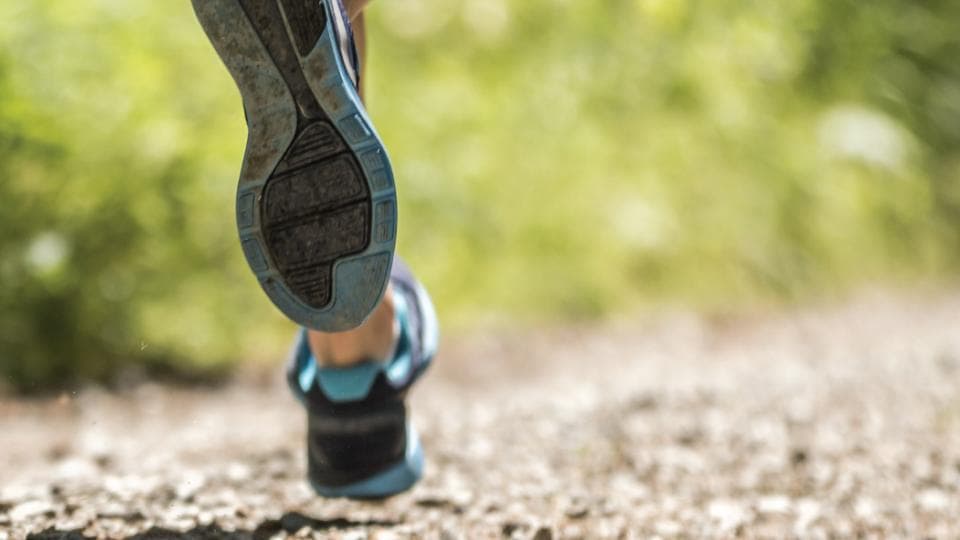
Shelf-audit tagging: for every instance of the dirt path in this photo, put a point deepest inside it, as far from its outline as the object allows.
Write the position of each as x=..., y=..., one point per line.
x=842, y=421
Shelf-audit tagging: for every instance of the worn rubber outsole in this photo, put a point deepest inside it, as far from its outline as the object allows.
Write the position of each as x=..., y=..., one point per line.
x=316, y=204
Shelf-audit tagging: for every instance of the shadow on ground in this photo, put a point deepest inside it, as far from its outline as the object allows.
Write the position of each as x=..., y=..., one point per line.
x=291, y=522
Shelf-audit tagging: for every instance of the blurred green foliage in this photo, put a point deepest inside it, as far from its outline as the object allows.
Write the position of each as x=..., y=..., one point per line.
x=556, y=160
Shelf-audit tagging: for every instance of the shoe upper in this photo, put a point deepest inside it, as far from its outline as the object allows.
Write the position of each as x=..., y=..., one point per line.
x=350, y=441
x=348, y=46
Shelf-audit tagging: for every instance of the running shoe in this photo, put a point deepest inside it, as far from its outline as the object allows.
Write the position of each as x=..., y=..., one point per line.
x=360, y=440
x=316, y=205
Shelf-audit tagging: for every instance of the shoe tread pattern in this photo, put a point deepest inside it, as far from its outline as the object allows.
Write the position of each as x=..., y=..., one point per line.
x=316, y=206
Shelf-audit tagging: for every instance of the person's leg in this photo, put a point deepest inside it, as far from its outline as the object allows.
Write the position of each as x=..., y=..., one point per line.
x=355, y=10
x=316, y=208
x=373, y=340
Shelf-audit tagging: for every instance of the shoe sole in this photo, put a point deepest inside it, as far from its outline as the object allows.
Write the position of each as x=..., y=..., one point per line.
x=316, y=203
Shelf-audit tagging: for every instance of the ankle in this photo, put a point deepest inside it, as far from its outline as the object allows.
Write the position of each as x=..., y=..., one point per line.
x=373, y=340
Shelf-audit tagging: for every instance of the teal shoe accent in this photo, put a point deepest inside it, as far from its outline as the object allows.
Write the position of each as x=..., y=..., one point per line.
x=353, y=383
x=396, y=479
x=398, y=368
x=307, y=374
x=348, y=384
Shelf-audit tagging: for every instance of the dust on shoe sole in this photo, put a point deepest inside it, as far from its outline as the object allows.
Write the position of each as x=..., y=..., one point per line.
x=316, y=206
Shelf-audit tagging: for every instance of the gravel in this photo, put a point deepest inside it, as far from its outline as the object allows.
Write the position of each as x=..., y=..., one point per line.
x=833, y=421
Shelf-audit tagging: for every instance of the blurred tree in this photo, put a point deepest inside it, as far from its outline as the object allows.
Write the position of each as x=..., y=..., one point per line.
x=557, y=160
x=899, y=56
